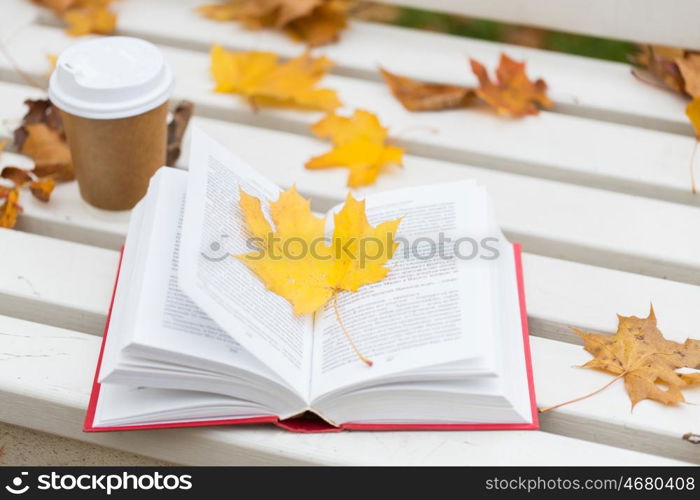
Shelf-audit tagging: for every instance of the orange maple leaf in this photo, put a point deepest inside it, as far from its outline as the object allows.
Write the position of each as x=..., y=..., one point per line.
x=512, y=93
x=639, y=354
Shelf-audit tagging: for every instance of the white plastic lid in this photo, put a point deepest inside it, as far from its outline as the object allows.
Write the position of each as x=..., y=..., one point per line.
x=110, y=77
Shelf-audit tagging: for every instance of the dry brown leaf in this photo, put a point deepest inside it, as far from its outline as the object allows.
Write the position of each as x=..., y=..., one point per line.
x=40, y=111
x=315, y=22
x=424, y=96
x=689, y=67
x=49, y=151
x=639, y=354
x=176, y=130
x=17, y=175
x=10, y=209
x=323, y=26
x=42, y=188
x=41, y=135
x=660, y=61
x=512, y=93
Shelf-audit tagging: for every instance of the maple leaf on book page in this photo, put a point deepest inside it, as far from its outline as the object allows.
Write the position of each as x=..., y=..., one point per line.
x=295, y=260
x=309, y=279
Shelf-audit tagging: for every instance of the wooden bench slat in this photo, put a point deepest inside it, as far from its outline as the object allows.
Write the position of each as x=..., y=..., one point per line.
x=54, y=281
x=551, y=145
x=46, y=374
x=579, y=86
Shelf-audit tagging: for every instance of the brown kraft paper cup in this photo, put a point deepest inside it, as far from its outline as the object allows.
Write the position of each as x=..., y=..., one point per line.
x=115, y=159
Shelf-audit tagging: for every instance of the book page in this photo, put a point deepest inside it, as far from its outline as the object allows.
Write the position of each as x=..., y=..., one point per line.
x=222, y=286
x=427, y=310
x=165, y=320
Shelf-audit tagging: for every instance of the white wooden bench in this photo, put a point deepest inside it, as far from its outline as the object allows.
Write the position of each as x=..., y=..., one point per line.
x=597, y=190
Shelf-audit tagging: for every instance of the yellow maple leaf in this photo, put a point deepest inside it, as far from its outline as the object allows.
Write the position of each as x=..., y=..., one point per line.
x=360, y=144
x=10, y=209
x=639, y=354
x=84, y=16
x=90, y=19
x=512, y=93
x=260, y=77
x=296, y=261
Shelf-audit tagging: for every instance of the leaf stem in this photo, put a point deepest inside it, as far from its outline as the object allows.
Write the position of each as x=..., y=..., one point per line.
x=347, y=334
x=549, y=408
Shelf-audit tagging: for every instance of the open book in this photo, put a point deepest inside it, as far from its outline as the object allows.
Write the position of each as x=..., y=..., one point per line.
x=195, y=338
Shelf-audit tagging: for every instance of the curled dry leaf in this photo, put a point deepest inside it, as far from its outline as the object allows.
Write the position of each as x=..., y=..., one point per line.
x=42, y=137
x=49, y=151
x=639, y=354
x=660, y=61
x=16, y=175
x=311, y=281
x=360, y=144
x=263, y=80
x=10, y=209
x=176, y=130
x=689, y=67
x=83, y=16
x=315, y=22
x=512, y=93
x=425, y=96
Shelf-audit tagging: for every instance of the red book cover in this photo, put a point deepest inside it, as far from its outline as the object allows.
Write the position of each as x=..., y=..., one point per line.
x=304, y=424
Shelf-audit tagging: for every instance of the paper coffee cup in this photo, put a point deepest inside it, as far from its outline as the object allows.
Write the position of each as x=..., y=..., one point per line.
x=113, y=95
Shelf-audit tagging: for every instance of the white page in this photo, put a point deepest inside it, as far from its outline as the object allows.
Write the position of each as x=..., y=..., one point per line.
x=225, y=288
x=425, y=312
x=167, y=319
